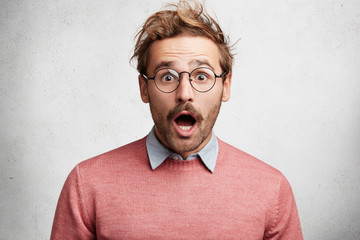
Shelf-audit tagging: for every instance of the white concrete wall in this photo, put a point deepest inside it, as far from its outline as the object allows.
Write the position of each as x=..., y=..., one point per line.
x=67, y=93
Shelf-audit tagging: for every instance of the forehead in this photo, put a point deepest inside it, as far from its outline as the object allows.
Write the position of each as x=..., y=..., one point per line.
x=184, y=52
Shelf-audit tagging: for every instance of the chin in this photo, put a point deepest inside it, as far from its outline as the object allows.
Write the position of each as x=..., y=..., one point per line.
x=184, y=145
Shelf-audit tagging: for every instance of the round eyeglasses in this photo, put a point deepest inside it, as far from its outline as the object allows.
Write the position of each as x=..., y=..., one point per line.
x=202, y=79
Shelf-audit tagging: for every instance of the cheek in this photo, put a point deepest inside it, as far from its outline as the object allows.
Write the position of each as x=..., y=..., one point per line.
x=211, y=103
x=208, y=104
x=214, y=96
x=160, y=101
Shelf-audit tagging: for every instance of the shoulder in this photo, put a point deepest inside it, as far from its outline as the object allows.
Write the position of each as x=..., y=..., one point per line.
x=252, y=174
x=247, y=164
x=118, y=158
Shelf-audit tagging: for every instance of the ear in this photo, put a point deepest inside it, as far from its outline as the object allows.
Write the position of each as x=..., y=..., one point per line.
x=143, y=89
x=226, y=88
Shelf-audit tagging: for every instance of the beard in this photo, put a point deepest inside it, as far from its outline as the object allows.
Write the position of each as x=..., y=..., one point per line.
x=169, y=137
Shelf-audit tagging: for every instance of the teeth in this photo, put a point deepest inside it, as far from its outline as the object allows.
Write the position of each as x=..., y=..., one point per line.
x=185, y=128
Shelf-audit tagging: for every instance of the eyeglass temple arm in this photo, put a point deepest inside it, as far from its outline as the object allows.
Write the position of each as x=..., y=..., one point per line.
x=221, y=75
x=147, y=78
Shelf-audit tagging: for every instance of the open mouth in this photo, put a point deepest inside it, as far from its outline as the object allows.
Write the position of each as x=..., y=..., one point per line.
x=185, y=121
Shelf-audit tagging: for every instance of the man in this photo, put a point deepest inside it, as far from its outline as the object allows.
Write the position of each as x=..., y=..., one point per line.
x=179, y=182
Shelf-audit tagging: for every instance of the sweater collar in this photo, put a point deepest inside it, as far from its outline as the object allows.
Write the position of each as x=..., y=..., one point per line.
x=158, y=153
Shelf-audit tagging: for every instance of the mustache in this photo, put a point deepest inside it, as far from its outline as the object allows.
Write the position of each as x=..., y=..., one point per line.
x=185, y=107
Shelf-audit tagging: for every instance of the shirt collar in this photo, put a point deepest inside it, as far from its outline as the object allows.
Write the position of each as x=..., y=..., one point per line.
x=157, y=152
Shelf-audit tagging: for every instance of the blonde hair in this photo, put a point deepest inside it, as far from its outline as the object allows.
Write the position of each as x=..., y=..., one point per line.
x=184, y=19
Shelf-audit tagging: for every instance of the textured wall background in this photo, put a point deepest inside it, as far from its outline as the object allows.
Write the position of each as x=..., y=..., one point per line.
x=67, y=93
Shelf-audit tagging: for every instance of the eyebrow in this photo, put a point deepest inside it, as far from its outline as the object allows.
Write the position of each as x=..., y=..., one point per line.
x=198, y=63
x=195, y=63
x=163, y=64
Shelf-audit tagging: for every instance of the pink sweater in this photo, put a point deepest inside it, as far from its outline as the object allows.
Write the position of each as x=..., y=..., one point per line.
x=117, y=196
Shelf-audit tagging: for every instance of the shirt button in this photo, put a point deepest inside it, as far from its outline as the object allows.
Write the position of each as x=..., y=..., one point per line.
x=175, y=158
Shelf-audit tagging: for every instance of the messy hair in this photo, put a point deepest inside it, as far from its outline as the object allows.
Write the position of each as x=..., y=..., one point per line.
x=184, y=19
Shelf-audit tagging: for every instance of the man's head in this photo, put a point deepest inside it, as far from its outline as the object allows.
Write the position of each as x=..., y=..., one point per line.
x=182, y=19
x=172, y=47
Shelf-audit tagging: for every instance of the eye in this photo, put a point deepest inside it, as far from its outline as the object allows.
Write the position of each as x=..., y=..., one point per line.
x=201, y=77
x=167, y=78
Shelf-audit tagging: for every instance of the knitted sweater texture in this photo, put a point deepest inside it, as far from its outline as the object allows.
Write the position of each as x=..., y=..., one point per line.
x=118, y=196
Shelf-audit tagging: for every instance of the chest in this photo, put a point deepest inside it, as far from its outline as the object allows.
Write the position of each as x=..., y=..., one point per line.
x=180, y=208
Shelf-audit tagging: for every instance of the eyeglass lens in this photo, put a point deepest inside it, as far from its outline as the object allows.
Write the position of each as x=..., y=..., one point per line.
x=201, y=79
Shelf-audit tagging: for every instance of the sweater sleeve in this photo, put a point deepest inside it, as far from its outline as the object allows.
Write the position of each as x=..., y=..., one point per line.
x=285, y=223
x=71, y=219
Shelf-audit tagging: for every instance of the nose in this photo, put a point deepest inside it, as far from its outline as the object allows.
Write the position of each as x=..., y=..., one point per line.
x=185, y=92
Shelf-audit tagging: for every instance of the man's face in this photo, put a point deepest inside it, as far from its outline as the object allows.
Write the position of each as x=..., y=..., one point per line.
x=184, y=118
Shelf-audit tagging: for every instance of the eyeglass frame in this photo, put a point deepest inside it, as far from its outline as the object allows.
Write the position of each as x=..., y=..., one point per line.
x=190, y=80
